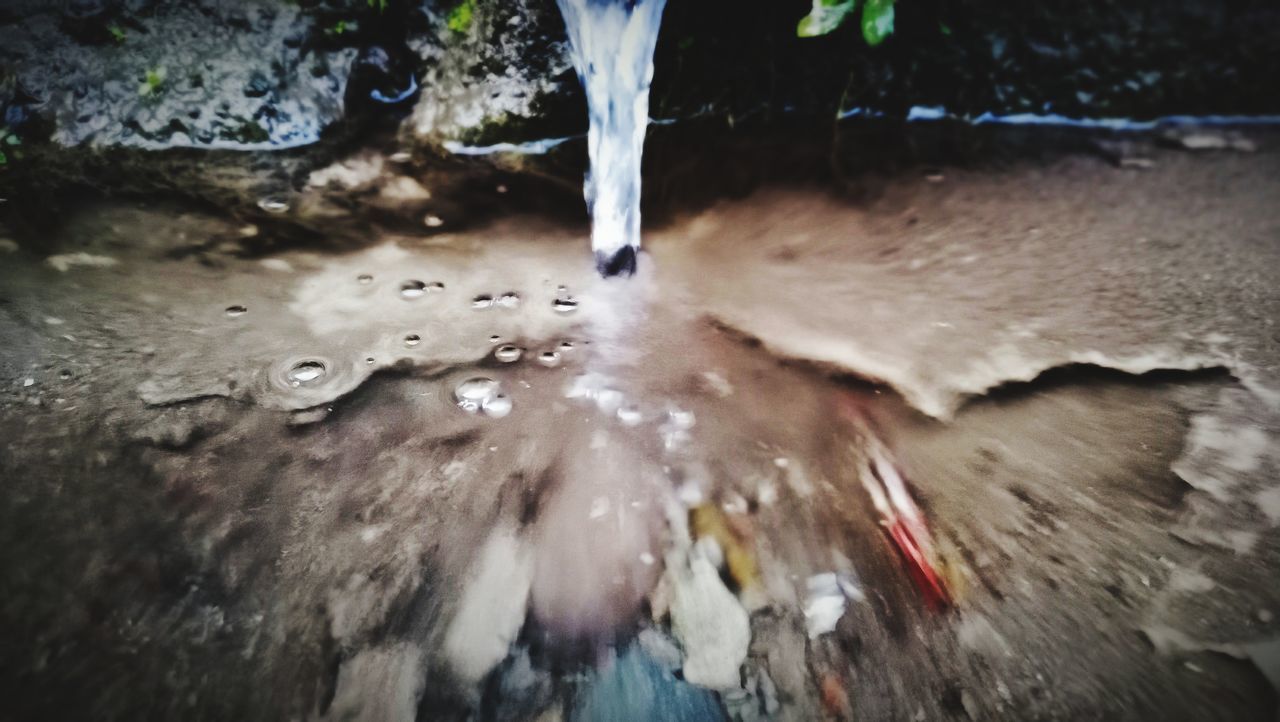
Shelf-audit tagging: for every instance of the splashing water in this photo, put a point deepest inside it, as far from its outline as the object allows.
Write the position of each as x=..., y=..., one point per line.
x=612, y=45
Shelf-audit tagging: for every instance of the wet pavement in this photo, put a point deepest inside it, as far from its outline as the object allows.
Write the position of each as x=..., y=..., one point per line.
x=999, y=444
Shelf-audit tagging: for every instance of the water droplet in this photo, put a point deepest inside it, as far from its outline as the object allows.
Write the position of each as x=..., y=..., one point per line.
x=564, y=304
x=497, y=406
x=550, y=359
x=495, y=338
x=400, y=156
x=305, y=372
x=510, y=299
x=471, y=394
x=508, y=353
x=433, y=221
x=64, y=375
x=412, y=289
x=364, y=278
x=273, y=205
x=234, y=311
x=369, y=360
x=501, y=188
x=566, y=346
x=412, y=340
x=435, y=287
x=482, y=301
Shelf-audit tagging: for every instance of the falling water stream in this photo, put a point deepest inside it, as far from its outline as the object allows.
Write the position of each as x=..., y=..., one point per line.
x=612, y=45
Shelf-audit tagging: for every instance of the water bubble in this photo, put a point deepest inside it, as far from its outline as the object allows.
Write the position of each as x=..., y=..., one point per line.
x=550, y=359
x=681, y=419
x=630, y=415
x=433, y=221
x=566, y=346
x=497, y=406
x=564, y=304
x=369, y=360
x=510, y=299
x=234, y=311
x=481, y=302
x=64, y=375
x=508, y=353
x=609, y=400
x=412, y=289
x=472, y=395
x=435, y=287
x=495, y=338
x=273, y=205
x=412, y=340
x=364, y=278
x=305, y=372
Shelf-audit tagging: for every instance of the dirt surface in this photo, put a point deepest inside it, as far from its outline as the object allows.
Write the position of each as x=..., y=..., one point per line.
x=1074, y=366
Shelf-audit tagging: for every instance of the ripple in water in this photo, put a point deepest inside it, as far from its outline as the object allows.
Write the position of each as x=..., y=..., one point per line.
x=304, y=373
x=234, y=311
x=412, y=340
x=508, y=353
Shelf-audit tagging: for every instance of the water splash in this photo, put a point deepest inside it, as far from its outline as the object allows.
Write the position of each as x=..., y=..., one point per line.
x=612, y=45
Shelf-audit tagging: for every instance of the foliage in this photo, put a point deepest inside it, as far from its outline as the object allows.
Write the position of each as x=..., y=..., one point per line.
x=380, y=4
x=117, y=32
x=152, y=82
x=9, y=142
x=459, y=20
x=338, y=28
x=827, y=15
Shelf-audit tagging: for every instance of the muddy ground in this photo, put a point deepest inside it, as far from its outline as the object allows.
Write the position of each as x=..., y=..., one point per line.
x=239, y=486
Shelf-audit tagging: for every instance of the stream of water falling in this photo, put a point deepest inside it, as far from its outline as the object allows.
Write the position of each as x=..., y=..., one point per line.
x=612, y=45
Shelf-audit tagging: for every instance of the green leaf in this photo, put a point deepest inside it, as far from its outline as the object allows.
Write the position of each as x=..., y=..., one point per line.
x=826, y=15
x=12, y=140
x=3, y=159
x=877, y=21
x=460, y=17
x=117, y=32
x=380, y=4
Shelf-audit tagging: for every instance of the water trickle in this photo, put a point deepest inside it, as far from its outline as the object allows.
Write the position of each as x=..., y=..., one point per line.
x=482, y=302
x=234, y=311
x=510, y=299
x=550, y=359
x=412, y=340
x=611, y=44
x=364, y=278
x=412, y=289
x=508, y=353
x=305, y=372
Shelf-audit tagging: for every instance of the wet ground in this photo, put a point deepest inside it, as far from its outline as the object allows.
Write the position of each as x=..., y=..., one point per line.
x=457, y=475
